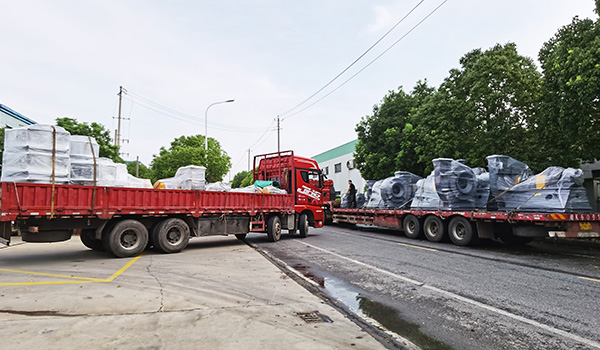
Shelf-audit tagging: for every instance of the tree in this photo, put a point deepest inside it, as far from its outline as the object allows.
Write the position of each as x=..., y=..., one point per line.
x=387, y=139
x=144, y=171
x=483, y=108
x=571, y=105
x=95, y=130
x=189, y=150
x=239, y=177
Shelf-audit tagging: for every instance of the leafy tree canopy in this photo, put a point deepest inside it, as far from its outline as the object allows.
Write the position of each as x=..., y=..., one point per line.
x=571, y=67
x=239, y=178
x=483, y=108
x=387, y=139
x=189, y=150
x=95, y=130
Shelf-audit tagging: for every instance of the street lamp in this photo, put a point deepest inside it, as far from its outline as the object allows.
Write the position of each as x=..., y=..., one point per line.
x=206, y=124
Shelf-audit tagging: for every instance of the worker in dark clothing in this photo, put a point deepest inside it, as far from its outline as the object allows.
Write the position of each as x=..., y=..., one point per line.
x=352, y=192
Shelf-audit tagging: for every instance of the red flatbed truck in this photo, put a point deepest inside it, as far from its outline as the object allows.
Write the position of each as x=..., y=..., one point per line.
x=124, y=221
x=466, y=227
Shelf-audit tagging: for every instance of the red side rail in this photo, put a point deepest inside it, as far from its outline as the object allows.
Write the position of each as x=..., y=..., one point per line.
x=21, y=200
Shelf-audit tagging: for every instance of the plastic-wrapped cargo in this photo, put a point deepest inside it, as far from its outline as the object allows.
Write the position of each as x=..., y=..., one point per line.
x=28, y=154
x=134, y=182
x=369, y=191
x=375, y=200
x=394, y=192
x=505, y=172
x=190, y=177
x=360, y=200
x=460, y=187
x=83, y=150
x=218, y=187
x=554, y=190
x=256, y=189
x=426, y=196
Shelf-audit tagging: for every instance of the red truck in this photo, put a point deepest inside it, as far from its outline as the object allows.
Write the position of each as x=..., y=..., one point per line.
x=124, y=221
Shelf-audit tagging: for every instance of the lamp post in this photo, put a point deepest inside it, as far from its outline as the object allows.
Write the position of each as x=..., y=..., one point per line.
x=206, y=124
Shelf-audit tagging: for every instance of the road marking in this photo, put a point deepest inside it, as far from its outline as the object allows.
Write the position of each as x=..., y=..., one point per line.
x=468, y=301
x=77, y=279
x=590, y=279
x=418, y=247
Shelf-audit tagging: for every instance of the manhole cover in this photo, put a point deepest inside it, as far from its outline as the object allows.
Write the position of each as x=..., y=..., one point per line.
x=314, y=317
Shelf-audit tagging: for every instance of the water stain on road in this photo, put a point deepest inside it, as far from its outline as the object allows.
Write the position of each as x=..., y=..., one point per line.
x=388, y=317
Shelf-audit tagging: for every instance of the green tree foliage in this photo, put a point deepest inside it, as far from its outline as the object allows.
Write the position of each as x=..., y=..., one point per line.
x=238, y=178
x=189, y=150
x=483, y=108
x=95, y=130
x=571, y=105
x=387, y=139
x=248, y=180
x=144, y=171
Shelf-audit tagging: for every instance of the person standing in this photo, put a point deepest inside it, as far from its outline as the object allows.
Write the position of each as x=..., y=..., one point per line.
x=352, y=192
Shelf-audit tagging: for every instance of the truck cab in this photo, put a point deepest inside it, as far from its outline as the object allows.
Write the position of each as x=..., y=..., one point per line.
x=300, y=177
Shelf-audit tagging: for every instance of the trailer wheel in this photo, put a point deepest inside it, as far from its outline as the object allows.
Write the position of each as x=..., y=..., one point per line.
x=461, y=231
x=303, y=225
x=89, y=240
x=412, y=226
x=433, y=228
x=274, y=228
x=171, y=235
x=126, y=238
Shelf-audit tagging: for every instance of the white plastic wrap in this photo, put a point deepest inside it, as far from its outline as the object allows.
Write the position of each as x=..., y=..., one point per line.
x=426, y=196
x=82, y=155
x=459, y=186
x=218, y=187
x=134, y=182
x=189, y=177
x=394, y=192
x=28, y=154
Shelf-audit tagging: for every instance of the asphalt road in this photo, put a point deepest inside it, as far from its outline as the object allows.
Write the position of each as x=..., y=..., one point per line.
x=441, y=296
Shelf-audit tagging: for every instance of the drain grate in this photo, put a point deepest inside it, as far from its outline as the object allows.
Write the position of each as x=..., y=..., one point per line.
x=314, y=317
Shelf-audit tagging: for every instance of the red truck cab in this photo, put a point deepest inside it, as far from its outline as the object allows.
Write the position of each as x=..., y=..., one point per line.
x=300, y=177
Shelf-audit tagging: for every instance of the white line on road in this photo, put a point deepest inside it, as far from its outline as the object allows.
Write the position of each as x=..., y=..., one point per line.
x=467, y=300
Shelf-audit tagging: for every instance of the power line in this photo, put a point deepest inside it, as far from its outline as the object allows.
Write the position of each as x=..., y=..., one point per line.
x=371, y=62
x=355, y=61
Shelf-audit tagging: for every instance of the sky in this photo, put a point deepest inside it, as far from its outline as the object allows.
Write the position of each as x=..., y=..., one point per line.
x=68, y=58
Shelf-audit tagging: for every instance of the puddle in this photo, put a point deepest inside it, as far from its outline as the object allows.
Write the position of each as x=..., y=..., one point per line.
x=388, y=317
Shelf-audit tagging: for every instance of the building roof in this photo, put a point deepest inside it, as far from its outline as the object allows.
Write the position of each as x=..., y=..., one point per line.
x=339, y=151
x=16, y=115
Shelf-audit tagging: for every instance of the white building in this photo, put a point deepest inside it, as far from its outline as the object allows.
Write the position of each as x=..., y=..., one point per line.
x=12, y=119
x=338, y=165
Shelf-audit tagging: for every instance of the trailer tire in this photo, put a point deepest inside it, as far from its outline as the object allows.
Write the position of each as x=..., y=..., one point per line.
x=461, y=231
x=89, y=240
x=433, y=228
x=274, y=228
x=303, y=225
x=171, y=235
x=412, y=226
x=125, y=238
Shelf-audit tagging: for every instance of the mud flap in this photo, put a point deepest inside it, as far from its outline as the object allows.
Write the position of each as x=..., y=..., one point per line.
x=5, y=232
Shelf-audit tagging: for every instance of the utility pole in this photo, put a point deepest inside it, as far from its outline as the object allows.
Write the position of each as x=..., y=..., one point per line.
x=118, y=135
x=248, y=159
x=278, y=143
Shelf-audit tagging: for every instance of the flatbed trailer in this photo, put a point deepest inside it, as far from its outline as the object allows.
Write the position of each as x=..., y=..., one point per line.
x=466, y=227
x=124, y=221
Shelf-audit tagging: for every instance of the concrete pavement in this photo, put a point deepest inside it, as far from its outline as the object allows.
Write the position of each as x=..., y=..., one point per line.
x=218, y=293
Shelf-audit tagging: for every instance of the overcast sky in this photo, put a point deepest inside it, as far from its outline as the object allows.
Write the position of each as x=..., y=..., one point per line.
x=68, y=59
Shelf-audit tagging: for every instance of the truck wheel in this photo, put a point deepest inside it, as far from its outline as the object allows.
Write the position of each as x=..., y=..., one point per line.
x=303, y=225
x=126, y=238
x=412, y=226
x=433, y=228
x=274, y=228
x=89, y=240
x=461, y=231
x=171, y=235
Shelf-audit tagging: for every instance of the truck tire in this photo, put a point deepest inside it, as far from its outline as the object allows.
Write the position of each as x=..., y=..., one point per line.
x=462, y=232
x=274, y=228
x=433, y=228
x=171, y=235
x=303, y=225
x=125, y=238
x=89, y=240
x=412, y=226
